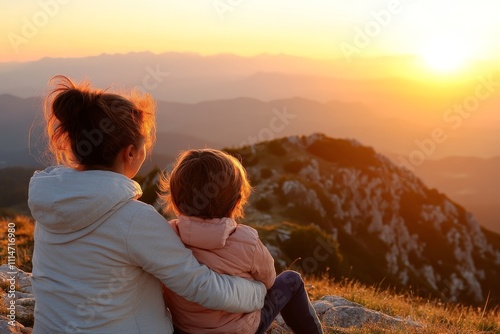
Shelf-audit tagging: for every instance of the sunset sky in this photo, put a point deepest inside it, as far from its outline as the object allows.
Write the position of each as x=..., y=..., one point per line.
x=445, y=34
x=417, y=79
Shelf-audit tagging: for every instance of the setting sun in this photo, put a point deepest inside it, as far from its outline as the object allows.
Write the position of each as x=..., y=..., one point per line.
x=445, y=55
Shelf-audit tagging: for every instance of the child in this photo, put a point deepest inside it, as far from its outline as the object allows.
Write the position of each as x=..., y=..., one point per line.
x=207, y=190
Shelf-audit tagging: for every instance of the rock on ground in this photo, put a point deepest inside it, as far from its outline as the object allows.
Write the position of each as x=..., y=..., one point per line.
x=6, y=328
x=338, y=312
x=333, y=311
x=24, y=298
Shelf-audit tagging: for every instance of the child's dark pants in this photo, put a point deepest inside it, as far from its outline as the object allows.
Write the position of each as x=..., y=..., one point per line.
x=288, y=296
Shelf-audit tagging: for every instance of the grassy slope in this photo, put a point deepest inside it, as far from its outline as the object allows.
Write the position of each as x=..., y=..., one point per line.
x=436, y=317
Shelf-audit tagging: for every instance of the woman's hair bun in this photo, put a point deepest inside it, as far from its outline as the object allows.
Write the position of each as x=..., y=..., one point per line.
x=70, y=102
x=87, y=127
x=69, y=105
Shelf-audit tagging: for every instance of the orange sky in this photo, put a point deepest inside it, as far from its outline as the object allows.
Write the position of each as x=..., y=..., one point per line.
x=446, y=34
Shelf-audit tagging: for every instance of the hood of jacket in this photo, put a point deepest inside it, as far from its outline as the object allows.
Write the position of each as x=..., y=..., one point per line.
x=69, y=204
x=205, y=233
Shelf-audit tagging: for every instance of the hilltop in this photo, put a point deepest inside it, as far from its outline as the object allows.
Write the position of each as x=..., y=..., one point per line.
x=336, y=207
x=380, y=222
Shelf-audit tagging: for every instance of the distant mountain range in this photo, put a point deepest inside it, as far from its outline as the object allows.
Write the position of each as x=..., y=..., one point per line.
x=190, y=77
x=236, y=122
x=336, y=207
x=218, y=123
x=227, y=101
x=373, y=100
x=383, y=84
x=240, y=120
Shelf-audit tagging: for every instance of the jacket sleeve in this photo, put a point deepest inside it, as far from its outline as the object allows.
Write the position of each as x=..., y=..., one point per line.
x=263, y=265
x=153, y=245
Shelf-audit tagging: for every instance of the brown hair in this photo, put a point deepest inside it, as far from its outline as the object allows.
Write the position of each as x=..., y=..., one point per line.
x=206, y=183
x=86, y=127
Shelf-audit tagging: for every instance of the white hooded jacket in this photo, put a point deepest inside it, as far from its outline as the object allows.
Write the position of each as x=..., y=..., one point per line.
x=99, y=254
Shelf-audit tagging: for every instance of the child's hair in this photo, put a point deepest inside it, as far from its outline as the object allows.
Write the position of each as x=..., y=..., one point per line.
x=86, y=127
x=206, y=183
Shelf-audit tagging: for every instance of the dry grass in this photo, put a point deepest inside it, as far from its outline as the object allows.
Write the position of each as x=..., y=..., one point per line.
x=24, y=240
x=435, y=316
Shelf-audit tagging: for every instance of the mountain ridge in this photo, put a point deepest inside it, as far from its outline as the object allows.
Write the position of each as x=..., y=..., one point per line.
x=240, y=121
x=335, y=207
x=370, y=206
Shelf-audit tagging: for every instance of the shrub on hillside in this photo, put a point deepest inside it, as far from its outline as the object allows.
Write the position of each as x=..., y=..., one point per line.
x=276, y=148
x=244, y=155
x=266, y=173
x=14, y=185
x=344, y=153
x=263, y=204
x=314, y=251
x=149, y=185
x=293, y=166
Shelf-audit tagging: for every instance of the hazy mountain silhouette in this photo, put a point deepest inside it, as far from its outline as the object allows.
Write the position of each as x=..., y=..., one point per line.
x=472, y=182
x=223, y=123
x=236, y=122
x=381, y=85
x=228, y=100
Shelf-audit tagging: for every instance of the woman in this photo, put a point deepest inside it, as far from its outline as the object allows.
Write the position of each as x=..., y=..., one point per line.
x=99, y=253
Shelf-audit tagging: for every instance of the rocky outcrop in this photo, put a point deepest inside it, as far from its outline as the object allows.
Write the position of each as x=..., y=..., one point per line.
x=387, y=223
x=338, y=312
x=332, y=310
x=7, y=327
x=17, y=299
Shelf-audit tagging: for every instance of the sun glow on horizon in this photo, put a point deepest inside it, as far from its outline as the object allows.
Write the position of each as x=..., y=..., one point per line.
x=445, y=55
x=310, y=30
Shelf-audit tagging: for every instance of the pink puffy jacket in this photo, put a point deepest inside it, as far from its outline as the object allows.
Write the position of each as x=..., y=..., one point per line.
x=227, y=248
